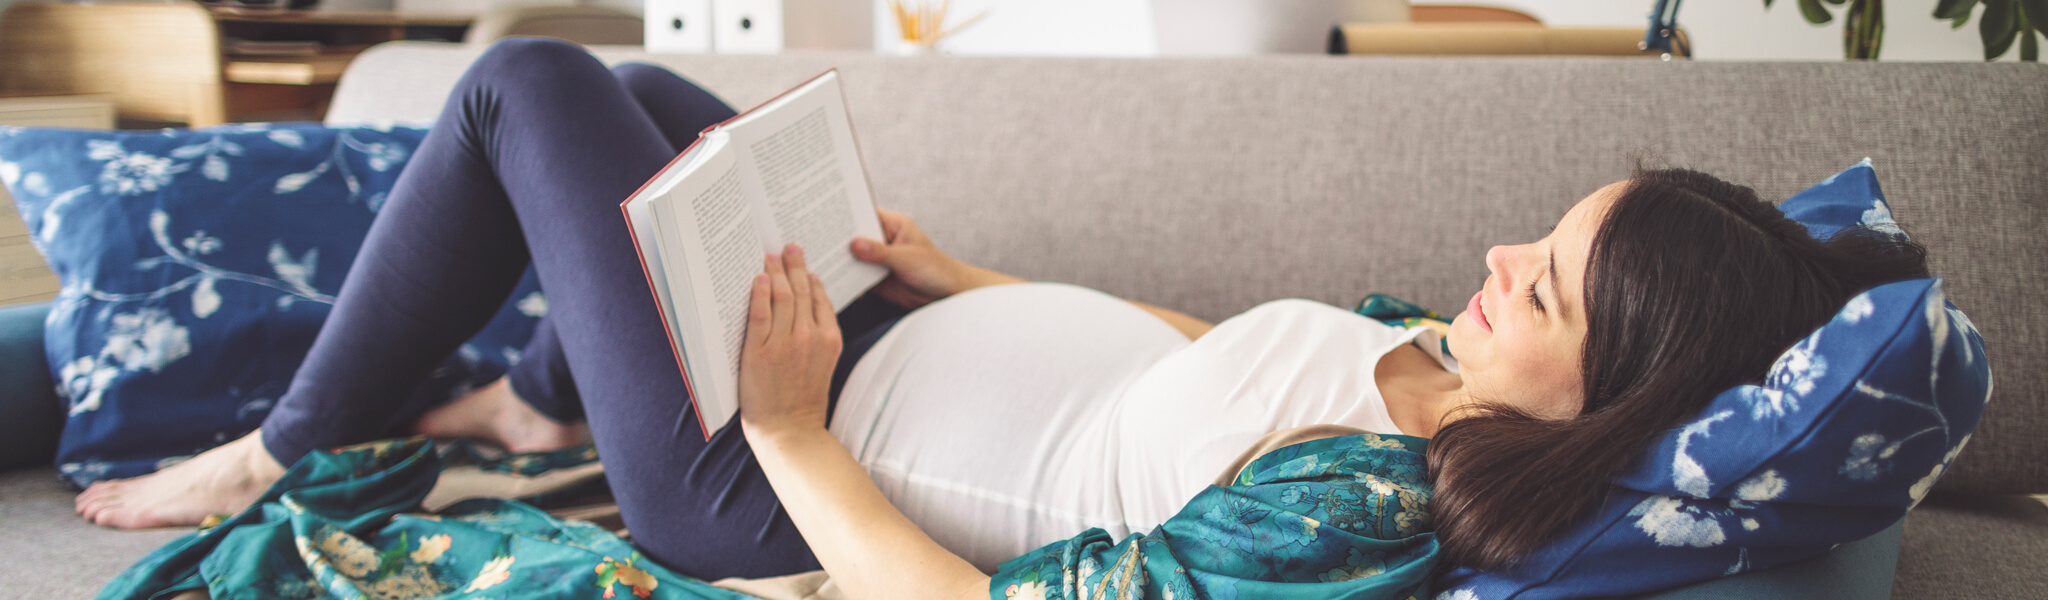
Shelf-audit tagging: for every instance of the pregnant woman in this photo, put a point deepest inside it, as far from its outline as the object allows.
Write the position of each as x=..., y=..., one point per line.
x=957, y=418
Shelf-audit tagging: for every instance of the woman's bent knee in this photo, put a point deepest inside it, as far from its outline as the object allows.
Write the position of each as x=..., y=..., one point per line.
x=532, y=55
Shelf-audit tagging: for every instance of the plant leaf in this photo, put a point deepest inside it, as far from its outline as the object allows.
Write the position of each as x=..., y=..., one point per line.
x=1835, y=2
x=1767, y=4
x=2034, y=13
x=1998, y=27
x=1814, y=12
x=2028, y=51
x=1955, y=9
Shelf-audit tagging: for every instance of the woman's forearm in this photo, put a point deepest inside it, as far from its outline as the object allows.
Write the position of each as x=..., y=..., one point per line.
x=868, y=547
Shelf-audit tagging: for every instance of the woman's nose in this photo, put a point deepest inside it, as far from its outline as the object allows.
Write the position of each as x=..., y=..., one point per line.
x=1496, y=259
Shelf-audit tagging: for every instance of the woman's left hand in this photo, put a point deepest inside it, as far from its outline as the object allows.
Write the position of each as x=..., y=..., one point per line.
x=791, y=347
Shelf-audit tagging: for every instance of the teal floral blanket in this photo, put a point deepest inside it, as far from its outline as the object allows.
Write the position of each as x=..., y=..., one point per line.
x=1341, y=517
x=344, y=524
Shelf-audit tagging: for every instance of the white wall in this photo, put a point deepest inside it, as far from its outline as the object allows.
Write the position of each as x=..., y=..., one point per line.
x=1743, y=30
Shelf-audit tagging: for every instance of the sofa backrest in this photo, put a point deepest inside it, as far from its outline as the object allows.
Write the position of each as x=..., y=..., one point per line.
x=1210, y=185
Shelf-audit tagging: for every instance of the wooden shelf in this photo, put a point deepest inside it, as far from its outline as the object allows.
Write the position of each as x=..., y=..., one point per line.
x=287, y=70
x=164, y=61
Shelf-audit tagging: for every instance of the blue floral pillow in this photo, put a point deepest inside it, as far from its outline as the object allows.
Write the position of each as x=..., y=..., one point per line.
x=197, y=265
x=1849, y=430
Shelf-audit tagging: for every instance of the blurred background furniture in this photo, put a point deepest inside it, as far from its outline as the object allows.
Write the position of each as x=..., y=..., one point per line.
x=1468, y=13
x=24, y=276
x=590, y=25
x=1479, y=30
x=180, y=62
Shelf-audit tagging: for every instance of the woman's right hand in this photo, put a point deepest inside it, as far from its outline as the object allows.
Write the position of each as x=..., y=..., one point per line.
x=918, y=272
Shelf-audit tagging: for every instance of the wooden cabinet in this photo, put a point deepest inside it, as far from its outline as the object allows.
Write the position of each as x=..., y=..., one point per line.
x=178, y=62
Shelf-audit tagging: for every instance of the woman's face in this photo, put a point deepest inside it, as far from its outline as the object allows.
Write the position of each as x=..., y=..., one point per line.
x=1518, y=340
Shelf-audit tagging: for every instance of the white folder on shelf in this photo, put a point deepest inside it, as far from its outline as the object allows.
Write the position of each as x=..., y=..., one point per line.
x=747, y=26
x=678, y=26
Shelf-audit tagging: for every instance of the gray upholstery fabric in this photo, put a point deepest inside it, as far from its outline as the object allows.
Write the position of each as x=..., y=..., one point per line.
x=1974, y=546
x=50, y=552
x=1210, y=185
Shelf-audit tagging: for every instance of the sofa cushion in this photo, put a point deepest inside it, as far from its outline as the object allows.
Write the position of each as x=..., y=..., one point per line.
x=1849, y=429
x=196, y=267
x=29, y=416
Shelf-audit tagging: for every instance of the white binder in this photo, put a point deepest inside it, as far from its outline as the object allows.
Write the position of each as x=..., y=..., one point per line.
x=747, y=26
x=678, y=26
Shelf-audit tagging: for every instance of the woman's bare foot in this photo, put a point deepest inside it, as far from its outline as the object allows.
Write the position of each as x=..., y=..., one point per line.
x=495, y=414
x=222, y=480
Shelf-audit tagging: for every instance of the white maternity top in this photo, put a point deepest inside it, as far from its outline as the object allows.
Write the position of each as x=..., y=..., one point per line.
x=1009, y=417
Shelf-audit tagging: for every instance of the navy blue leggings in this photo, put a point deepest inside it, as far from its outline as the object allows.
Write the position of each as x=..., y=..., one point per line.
x=527, y=164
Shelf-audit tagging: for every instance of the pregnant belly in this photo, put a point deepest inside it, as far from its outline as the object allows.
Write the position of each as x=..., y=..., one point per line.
x=985, y=417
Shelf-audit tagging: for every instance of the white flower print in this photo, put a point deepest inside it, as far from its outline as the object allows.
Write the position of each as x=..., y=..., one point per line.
x=1869, y=457
x=533, y=305
x=1879, y=219
x=1764, y=487
x=10, y=173
x=146, y=339
x=1920, y=488
x=287, y=138
x=35, y=183
x=205, y=300
x=84, y=381
x=383, y=156
x=1858, y=308
x=131, y=173
x=294, y=181
x=1670, y=522
x=1686, y=474
x=200, y=244
x=1791, y=378
x=213, y=167
x=295, y=271
x=1457, y=595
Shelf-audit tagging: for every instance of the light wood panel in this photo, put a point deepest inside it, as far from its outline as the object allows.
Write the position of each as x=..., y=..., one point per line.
x=24, y=277
x=160, y=61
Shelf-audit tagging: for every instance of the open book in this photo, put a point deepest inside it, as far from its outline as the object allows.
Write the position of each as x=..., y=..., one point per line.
x=785, y=171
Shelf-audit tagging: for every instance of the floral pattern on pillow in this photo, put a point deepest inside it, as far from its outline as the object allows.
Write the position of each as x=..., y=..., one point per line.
x=196, y=267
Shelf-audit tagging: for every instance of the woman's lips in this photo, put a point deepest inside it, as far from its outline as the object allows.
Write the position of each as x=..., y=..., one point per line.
x=1478, y=312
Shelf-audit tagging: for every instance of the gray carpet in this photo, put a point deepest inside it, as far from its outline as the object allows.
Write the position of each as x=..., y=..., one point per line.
x=50, y=552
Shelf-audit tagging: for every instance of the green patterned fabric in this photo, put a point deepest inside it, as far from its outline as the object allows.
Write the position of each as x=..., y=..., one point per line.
x=1396, y=312
x=1340, y=517
x=1344, y=517
x=345, y=524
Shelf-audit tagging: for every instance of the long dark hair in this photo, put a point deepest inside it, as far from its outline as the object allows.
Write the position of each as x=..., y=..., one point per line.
x=1694, y=285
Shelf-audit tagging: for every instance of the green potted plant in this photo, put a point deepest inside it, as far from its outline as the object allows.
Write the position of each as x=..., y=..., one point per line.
x=2003, y=22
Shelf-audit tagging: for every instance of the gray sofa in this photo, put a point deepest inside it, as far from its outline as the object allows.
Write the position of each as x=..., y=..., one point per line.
x=1212, y=185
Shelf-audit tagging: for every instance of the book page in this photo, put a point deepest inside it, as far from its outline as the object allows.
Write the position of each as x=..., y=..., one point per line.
x=808, y=169
x=720, y=267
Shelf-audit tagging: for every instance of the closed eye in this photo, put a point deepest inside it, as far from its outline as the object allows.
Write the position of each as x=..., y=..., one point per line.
x=1533, y=299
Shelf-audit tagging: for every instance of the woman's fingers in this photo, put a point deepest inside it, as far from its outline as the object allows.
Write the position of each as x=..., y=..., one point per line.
x=800, y=286
x=782, y=298
x=821, y=307
x=759, y=314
